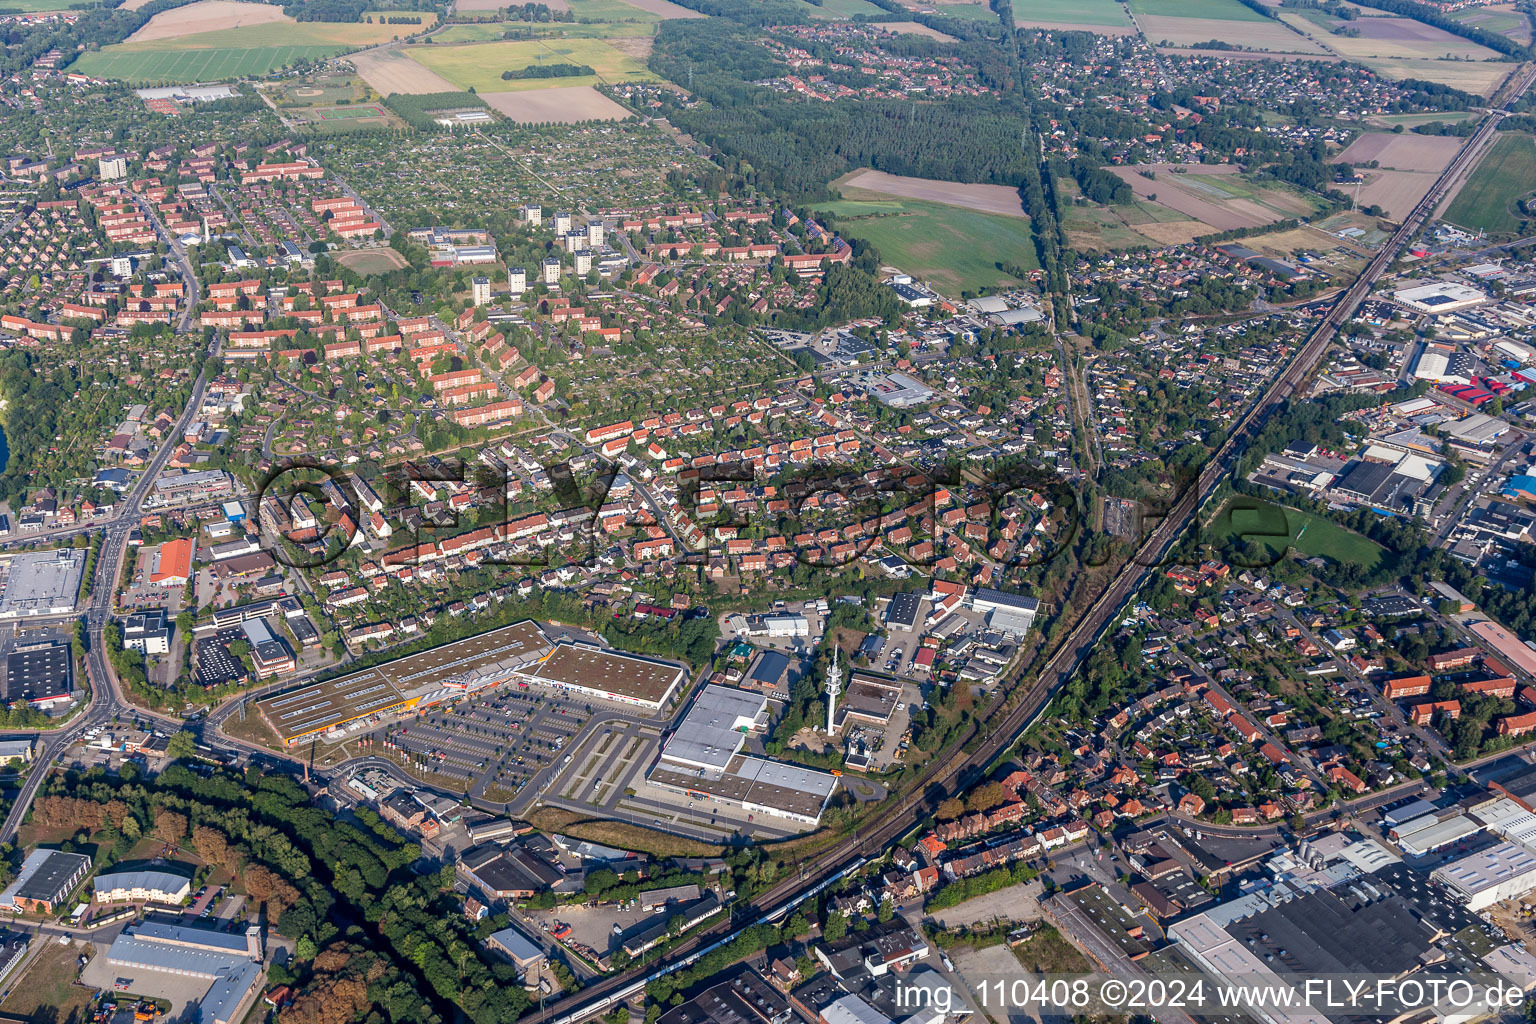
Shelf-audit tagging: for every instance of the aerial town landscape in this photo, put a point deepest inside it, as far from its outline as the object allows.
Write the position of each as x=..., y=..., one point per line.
x=768, y=511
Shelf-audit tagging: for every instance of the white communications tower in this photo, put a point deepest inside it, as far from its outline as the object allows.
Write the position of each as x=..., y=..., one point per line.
x=833, y=688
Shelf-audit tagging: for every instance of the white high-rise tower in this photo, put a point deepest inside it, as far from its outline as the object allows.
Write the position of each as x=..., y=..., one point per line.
x=833, y=687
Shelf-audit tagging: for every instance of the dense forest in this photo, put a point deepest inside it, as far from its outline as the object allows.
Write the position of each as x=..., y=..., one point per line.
x=800, y=147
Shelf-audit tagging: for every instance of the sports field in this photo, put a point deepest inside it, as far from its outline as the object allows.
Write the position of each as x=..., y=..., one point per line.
x=149, y=67
x=1275, y=529
x=381, y=260
x=479, y=66
x=956, y=249
x=1486, y=201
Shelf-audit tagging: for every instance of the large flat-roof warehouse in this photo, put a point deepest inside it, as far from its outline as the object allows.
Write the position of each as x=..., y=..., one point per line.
x=41, y=583
x=609, y=675
x=703, y=759
x=414, y=680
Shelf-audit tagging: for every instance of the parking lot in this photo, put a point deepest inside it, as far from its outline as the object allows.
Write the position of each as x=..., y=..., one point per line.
x=607, y=763
x=495, y=742
x=138, y=594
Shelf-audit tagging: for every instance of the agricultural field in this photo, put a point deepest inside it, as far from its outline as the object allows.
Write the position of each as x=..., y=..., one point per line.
x=955, y=249
x=388, y=70
x=1390, y=37
x=868, y=184
x=1209, y=10
x=1267, y=36
x=39, y=6
x=479, y=66
x=965, y=10
x=1414, y=120
x=206, y=16
x=559, y=105
x=1487, y=201
x=1275, y=529
x=1191, y=22
x=1478, y=77
x=1505, y=19
x=622, y=9
x=1129, y=226
x=1102, y=16
x=1409, y=165
x=844, y=9
x=1217, y=196
x=253, y=49
x=472, y=6
x=914, y=28
x=151, y=67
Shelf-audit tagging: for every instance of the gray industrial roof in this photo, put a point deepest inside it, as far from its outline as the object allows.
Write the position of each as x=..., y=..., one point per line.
x=163, y=881
x=49, y=877
x=714, y=728
x=516, y=945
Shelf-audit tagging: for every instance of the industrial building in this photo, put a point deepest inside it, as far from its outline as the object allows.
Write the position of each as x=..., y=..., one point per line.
x=1008, y=613
x=416, y=680
x=41, y=582
x=712, y=733
x=46, y=879
x=1489, y=876
x=40, y=674
x=229, y=961
x=744, y=999
x=867, y=699
x=791, y=624
x=901, y=613
x=702, y=759
x=515, y=946
x=1438, y=297
x=608, y=675
x=137, y=886
x=1432, y=832
x=898, y=390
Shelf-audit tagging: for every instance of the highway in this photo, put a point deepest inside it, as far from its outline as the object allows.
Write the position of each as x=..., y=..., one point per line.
x=955, y=772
